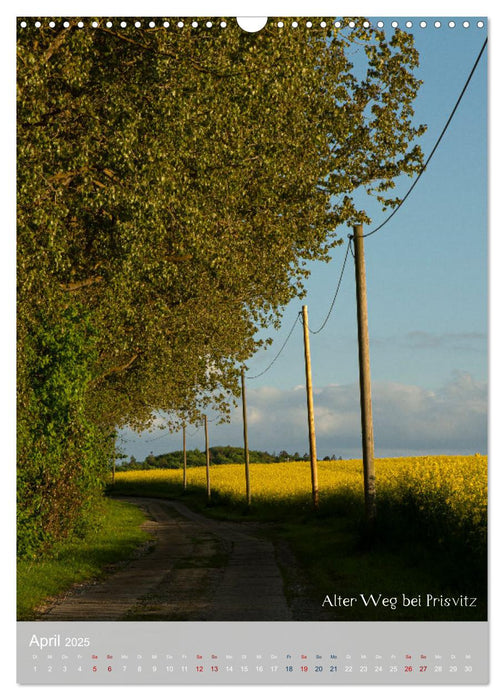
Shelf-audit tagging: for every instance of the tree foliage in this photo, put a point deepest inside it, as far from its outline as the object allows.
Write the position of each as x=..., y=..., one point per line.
x=172, y=184
x=195, y=458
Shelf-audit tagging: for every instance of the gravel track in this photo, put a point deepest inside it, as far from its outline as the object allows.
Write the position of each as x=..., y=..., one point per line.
x=197, y=569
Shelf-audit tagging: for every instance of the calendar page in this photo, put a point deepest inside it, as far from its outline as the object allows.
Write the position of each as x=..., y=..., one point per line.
x=252, y=349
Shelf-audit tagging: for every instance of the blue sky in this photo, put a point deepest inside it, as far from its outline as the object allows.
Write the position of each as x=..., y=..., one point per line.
x=427, y=297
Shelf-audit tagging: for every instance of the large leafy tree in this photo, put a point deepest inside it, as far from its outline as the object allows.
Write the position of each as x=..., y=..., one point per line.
x=172, y=184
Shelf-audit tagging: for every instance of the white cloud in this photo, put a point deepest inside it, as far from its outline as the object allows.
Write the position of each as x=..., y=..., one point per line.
x=407, y=419
x=452, y=419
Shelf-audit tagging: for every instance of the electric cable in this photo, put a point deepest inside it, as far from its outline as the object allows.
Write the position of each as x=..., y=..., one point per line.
x=435, y=146
x=279, y=352
x=335, y=295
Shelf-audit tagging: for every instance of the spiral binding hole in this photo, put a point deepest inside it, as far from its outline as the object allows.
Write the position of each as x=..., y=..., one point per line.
x=281, y=24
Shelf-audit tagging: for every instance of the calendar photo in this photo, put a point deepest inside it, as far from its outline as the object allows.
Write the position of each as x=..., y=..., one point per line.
x=252, y=375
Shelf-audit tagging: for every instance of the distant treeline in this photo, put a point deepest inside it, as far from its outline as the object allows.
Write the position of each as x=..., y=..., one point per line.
x=218, y=455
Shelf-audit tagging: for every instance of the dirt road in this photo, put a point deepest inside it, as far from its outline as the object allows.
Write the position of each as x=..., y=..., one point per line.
x=197, y=569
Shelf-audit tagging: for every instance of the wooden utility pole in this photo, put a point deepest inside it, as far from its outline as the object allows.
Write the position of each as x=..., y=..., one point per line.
x=207, y=450
x=311, y=417
x=365, y=378
x=184, y=450
x=245, y=436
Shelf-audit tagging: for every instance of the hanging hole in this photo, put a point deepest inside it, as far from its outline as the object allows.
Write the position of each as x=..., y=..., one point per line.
x=251, y=24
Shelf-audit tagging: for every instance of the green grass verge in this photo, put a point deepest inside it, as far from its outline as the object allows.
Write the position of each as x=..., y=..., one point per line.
x=337, y=562
x=115, y=539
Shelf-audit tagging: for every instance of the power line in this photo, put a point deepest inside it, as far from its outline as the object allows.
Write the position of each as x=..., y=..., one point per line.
x=211, y=420
x=435, y=146
x=279, y=352
x=335, y=294
x=158, y=437
x=164, y=434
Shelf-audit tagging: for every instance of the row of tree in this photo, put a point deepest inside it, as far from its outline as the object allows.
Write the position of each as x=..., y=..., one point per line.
x=172, y=185
x=218, y=455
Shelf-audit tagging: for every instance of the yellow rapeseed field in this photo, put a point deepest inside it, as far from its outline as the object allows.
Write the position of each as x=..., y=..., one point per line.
x=455, y=486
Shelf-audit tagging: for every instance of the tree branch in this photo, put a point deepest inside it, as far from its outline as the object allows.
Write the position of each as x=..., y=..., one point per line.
x=60, y=38
x=116, y=369
x=171, y=54
x=75, y=286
